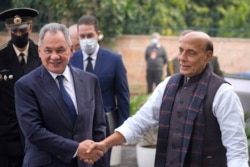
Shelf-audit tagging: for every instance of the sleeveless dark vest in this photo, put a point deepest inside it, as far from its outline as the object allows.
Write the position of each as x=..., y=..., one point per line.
x=204, y=147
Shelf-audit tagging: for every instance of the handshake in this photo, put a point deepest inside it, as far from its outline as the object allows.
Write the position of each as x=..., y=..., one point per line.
x=90, y=151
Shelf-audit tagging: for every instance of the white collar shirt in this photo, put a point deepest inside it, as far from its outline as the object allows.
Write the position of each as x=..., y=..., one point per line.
x=93, y=56
x=25, y=52
x=68, y=84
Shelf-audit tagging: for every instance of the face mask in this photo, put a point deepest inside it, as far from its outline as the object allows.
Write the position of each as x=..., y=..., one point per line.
x=88, y=45
x=20, y=41
x=154, y=41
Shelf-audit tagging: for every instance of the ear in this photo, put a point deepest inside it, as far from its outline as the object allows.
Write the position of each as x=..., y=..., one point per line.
x=71, y=50
x=8, y=29
x=30, y=27
x=39, y=52
x=209, y=55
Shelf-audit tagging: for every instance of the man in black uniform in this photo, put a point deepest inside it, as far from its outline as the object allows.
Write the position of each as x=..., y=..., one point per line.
x=17, y=57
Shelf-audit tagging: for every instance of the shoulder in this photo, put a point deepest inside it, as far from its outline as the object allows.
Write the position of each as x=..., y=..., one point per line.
x=33, y=44
x=3, y=46
x=109, y=54
x=77, y=54
x=107, y=51
x=226, y=92
x=83, y=74
x=30, y=78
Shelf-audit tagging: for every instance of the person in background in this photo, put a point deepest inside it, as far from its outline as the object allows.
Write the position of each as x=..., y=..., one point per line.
x=74, y=37
x=173, y=65
x=108, y=67
x=199, y=115
x=216, y=66
x=59, y=107
x=17, y=57
x=156, y=57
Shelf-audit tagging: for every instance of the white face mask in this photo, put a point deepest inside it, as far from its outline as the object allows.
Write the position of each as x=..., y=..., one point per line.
x=88, y=45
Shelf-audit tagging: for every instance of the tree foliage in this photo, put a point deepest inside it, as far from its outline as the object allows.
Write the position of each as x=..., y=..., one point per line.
x=226, y=18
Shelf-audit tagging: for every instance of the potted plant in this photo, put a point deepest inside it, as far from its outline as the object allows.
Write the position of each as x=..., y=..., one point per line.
x=146, y=149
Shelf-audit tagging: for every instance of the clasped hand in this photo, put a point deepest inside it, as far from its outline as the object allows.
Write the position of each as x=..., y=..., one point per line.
x=90, y=151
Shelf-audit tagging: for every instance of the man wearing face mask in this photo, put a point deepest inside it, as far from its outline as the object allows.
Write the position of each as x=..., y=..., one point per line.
x=17, y=57
x=109, y=68
x=156, y=58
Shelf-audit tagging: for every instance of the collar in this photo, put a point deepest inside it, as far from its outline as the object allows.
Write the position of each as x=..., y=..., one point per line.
x=66, y=74
x=25, y=52
x=93, y=55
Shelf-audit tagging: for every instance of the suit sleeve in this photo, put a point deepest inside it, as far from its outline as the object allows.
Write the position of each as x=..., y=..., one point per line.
x=99, y=123
x=122, y=91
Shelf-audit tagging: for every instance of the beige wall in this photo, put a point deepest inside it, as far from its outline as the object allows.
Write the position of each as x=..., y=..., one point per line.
x=233, y=54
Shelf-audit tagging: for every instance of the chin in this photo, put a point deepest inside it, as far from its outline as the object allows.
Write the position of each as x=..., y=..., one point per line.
x=55, y=70
x=185, y=74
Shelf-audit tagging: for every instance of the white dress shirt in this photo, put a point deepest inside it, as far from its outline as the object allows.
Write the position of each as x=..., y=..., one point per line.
x=68, y=84
x=25, y=52
x=93, y=56
x=227, y=109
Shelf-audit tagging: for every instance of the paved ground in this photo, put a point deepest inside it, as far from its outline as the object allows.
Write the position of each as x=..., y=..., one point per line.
x=128, y=157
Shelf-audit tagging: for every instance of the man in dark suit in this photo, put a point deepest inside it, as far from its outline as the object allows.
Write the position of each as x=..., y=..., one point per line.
x=108, y=67
x=17, y=57
x=56, y=128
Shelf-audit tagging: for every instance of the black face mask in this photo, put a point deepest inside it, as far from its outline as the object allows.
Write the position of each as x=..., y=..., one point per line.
x=20, y=41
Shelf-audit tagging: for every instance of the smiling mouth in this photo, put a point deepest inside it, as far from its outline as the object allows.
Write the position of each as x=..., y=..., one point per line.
x=184, y=67
x=55, y=63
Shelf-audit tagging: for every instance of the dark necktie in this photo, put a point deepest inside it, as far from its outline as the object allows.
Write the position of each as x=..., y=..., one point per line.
x=22, y=62
x=66, y=98
x=89, y=66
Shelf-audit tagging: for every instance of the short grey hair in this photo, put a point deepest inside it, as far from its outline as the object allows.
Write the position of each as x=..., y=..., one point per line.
x=156, y=35
x=54, y=28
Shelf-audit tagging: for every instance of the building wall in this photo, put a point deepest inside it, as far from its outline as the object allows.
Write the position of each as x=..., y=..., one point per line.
x=233, y=54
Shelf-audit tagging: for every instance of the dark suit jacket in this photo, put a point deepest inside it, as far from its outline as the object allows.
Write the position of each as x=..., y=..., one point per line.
x=51, y=137
x=111, y=73
x=10, y=72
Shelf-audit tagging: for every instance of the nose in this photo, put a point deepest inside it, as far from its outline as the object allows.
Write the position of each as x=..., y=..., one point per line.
x=18, y=32
x=54, y=55
x=182, y=56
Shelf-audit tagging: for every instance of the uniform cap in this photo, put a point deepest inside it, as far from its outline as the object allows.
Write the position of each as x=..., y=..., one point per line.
x=18, y=17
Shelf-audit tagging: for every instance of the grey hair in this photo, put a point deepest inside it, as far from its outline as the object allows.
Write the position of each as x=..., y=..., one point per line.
x=54, y=28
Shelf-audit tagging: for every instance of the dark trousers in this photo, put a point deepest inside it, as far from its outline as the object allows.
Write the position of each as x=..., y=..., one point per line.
x=11, y=161
x=153, y=77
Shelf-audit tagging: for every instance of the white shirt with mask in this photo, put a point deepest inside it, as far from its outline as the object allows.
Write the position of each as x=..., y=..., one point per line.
x=93, y=56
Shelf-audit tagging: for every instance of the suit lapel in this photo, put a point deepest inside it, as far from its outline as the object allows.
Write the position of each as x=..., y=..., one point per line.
x=52, y=89
x=80, y=91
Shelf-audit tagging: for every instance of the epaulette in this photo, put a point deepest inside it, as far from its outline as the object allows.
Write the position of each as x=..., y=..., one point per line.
x=3, y=46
